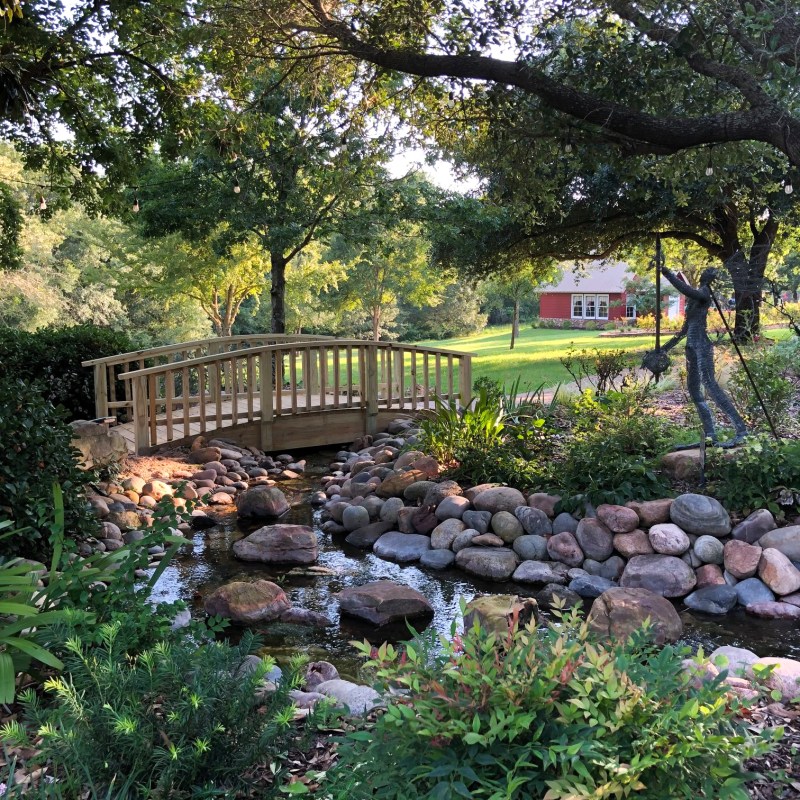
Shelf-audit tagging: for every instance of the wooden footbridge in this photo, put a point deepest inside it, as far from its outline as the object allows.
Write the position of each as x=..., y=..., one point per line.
x=274, y=392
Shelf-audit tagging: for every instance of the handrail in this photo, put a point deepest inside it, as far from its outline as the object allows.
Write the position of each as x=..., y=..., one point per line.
x=304, y=345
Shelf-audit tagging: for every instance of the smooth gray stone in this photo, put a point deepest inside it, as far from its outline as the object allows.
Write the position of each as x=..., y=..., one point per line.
x=590, y=585
x=534, y=521
x=753, y=590
x=530, y=547
x=437, y=559
x=478, y=520
x=402, y=547
x=712, y=599
x=565, y=523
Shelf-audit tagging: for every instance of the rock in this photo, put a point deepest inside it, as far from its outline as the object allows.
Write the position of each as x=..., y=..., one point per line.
x=553, y=594
x=216, y=466
x=564, y=547
x=487, y=540
x=384, y=602
x=699, y=514
x=416, y=492
x=612, y=568
x=683, y=465
x=452, y=507
x=407, y=459
x=595, y=539
x=494, y=564
x=479, y=520
x=590, y=585
x=464, y=539
x=205, y=454
x=741, y=559
x=544, y=502
x=778, y=572
x=437, y=559
x=537, y=572
x=792, y=599
x=423, y=520
x=565, y=523
x=661, y=574
x=427, y=465
x=668, y=539
x=444, y=534
x=395, y=484
x=367, y=536
x=355, y=517
x=247, y=602
x=278, y=544
x=318, y=672
x=123, y=520
x=534, y=521
x=709, y=549
x=134, y=483
x=390, y=509
x=474, y=491
x=98, y=504
x=355, y=698
x=712, y=599
x=618, y=612
x=262, y=502
x=373, y=505
x=768, y=610
x=500, y=498
x=733, y=659
x=98, y=444
x=618, y=519
x=181, y=620
x=530, y=548
x=404, y=517
x=752, y=590
x=108, y=530
x=506, y=526
x=439, y=491
x=752, y=528
x=787, y=540
x=783, y=677
x=128, y=537
x=497, y=613
x=402, y=547
x=303, y=616
x=651, y=512
x=709, y=575
x=635, y=543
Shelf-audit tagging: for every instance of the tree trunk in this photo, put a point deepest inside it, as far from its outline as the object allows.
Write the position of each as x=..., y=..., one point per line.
x=376, y=324
x=515, y=324
x=277, y=292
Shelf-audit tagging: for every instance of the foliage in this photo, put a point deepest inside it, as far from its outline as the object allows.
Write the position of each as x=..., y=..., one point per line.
x=647, y=322
x=184, y=716
x=547, y=714
x=603, y=369
x=37, y=450
x=760, y=473
x=460, y=313
x=52, y=356
x=609, y=455
x=10, y=227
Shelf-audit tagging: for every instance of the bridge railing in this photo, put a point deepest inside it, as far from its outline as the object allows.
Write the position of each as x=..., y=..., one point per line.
x=182, y=398
x=112, y=396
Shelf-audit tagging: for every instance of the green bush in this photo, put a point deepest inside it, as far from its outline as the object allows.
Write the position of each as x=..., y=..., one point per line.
x=53, y=356
x=548, y=715
x=177, y=720
x=37, y=451
x=761, y=473
x=609, y=456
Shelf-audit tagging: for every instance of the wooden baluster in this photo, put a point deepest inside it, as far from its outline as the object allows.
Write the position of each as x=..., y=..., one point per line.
x=371, y=356
x=336, y=367
x=169, y=392
x=185, y=396
x=323, y=375
x=438, y=368
x=141, y=426
x=389, y=377
x=234, y=391
x=266, y=398
x=349, y=355
x=111, y=378
x=362, y=376
x=450, y=379
x=310, y=378
x=414, y=380
x=152, y=390
x=218, y=371
x=251, y=387
x=398, y=368
x=381, y=373
x=401, y=375
x=293, y=376
x=278, y=382
x=201, y=394
x=426, y=380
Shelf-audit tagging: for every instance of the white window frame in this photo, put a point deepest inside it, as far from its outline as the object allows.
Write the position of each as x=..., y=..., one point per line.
x=602, y=298
x=587, y=299
x=583, y=301
x=578, y=297
x=629, y=306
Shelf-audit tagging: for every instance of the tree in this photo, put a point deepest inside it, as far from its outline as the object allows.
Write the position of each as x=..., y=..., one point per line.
x=723, y=70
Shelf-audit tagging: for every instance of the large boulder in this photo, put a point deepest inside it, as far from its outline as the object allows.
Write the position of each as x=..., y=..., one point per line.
x=496, y=613
x=493, y=564
x=367, y=536
x=356, y=698
x=590, y=585
x=780, y=674
x=499, y=498
x=98, y=444
x=651, y=512
x=402, y=547
x=734, y=659
x=787, y=540
x=751, y=591
x=664, y=575
x=452, y=507
x=537, y=572
x=507, y=526
x=564, y=547
x=531, y=547
x=741, y=559
x=752, y=528
x=618, y=519
x=595, y=539
x=618, y=612
x=477, y=520
x=279, y=544
x=394, y=485
x=668, y=539
x=778, y=572
x=534, y=521
x=709, y=549
x=383, y=602
x=444, y=534
x=635, y=543
x=247, y=602
x=700, y=514
x=262, y=502
x=712, y=599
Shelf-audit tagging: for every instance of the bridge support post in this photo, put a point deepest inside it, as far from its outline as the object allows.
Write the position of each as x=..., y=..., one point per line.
x=141, y=428
x=101, y=390
x=465, y=380
x=265, y=384
x=372, y=389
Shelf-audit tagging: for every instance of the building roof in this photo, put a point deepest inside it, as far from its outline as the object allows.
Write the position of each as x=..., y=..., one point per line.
x=591, y=276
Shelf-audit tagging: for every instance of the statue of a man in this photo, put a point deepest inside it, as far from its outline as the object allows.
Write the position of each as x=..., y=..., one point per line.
x=699, y=356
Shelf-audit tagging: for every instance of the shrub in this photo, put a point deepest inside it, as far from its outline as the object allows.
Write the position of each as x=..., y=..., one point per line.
x=37, y=450
x=53, y=356
x=603, y=369
x=761, y=473
x=180, y=717
x=549, y=715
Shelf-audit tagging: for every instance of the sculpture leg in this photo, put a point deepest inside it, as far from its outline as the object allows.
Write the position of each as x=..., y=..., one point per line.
x=694, y=383
x=724, y=403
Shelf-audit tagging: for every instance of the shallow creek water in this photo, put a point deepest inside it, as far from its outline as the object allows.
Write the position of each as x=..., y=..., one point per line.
x=208, y=562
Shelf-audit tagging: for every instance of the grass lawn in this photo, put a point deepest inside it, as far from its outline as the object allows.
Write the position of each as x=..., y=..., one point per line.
x=535, y=357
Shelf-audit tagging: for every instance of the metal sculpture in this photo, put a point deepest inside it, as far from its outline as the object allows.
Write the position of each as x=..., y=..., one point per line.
x=699, y=356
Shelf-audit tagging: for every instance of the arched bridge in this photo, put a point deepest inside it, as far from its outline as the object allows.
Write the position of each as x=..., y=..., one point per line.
x=272, y=392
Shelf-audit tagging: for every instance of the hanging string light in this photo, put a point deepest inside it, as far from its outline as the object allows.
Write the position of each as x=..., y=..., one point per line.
x=42, y=203
x=451, y=99
x=568, y=142
x=787, y=185
x=710, y=165
x=135, y=207
x=236, y=187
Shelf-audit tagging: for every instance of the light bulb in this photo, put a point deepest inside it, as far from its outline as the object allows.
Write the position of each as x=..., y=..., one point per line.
x=236, y=187
x=42, y=203
x=451, y=100
x=568, y=147
x=788, y=188
x=709, y=170
x=135, y=207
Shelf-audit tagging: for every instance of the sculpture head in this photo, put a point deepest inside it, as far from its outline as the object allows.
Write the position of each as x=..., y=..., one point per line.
x=708, y=276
